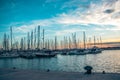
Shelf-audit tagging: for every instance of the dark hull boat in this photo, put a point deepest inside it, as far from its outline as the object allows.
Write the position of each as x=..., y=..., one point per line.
x=27, y=55
x=8, y=55
x=95, y=50
x=45, y=55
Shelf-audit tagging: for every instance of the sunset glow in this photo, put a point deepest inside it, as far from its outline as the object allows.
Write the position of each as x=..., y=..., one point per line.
x=99, y=18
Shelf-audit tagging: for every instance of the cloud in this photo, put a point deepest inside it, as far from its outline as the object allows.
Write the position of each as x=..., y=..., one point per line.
x=104, y=15
x=75, y=4
x=109, y=11
x=95, y=14
x=23, y=28
x=67, y=31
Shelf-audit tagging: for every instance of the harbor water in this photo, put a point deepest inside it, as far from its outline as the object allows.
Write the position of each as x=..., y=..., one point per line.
x=108, y=61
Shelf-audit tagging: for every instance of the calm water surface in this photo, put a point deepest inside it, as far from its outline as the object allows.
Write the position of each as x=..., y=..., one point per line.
x=108, y=60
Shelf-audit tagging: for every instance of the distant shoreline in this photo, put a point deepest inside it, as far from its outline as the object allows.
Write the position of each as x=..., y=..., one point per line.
x=111, y=48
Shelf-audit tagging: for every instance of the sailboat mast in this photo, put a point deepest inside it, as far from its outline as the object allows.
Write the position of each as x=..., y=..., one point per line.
x=38, y=46
x=28, y=42
x=32, y=40
x=72, y=40
x=43, y=37
x=89, y=42
x=61, y=44
x=35, y=38
x=55, y=42
x=75, y=42
x=98, y=42
x=64, y=42
x=94, y=41
x=24, y=41
x=11, y=37
x=48, y=45
x=21, y=43
x=4, y=42
x=69, y=43
x=101, y=41
x=84, y=40
x=7, y=42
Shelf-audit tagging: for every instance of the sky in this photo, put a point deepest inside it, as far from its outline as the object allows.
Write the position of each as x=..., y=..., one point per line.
x=62, y=18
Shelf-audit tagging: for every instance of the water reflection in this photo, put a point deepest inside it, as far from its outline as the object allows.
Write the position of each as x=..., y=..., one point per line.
x=108, y=61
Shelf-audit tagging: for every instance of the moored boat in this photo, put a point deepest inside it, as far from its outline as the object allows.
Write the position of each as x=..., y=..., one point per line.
x=27, y=55
x=45, y=53
x=95, y=50
x=8, y=55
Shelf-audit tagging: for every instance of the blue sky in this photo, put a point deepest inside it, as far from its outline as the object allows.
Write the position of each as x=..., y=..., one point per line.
x=62, y=17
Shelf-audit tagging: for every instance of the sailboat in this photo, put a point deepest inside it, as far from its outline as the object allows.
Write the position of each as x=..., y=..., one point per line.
x=76, y=51
x=44, y=52
x=95, y=49
x=6, y=53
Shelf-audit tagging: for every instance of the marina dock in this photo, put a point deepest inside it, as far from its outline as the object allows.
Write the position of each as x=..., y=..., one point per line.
x=59, y=39
x=16, y=74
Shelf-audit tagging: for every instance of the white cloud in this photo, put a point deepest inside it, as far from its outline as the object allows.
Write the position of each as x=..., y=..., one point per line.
x=67, y=31
x=97, y=14
x=75, y=4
